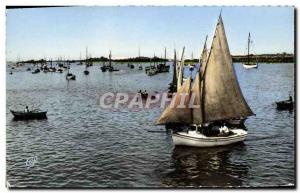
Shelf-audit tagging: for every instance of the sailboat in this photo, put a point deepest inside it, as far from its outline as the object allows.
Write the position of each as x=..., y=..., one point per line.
x=86, y=72
x=249, y=64
x=80, y=61
x=215, y=97
x=110, y=67
x=52, y=69
x=140, y=66
x=151, y=70
x=163, y=67
x=69, y=75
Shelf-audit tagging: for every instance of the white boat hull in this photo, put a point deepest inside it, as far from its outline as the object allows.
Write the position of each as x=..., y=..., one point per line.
x=250, y=66
x=195, y=139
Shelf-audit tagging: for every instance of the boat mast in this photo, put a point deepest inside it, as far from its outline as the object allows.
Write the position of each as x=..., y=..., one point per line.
x=174, y=69
x=165, y=55
x=248, y=48
x=180, y=73
x=109, y=58
x=139, y=52
x=86, y=57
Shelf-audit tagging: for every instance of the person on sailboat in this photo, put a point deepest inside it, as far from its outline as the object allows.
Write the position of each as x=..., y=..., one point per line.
x=26, y=110
x=290, y=98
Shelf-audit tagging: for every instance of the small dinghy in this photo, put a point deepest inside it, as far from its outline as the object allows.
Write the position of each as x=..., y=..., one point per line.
x=36, y=71
x=70, y=76
x=34, y=114
x=103, y=68
x=285, y=105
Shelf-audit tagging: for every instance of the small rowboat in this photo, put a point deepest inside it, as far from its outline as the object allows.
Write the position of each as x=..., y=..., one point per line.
x=285, y=105
x=35, y=114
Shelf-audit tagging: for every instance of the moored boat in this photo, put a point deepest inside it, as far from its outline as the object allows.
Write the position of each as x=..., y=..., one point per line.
x=285, y=105
x=86, y=72
x=69, y=75
x=249, y=64
x=36, y=71
x=163, y=67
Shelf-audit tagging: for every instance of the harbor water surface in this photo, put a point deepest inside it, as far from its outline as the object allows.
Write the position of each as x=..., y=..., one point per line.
x=83, y=145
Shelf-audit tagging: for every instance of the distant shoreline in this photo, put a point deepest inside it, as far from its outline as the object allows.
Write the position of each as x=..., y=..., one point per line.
x=260, y=58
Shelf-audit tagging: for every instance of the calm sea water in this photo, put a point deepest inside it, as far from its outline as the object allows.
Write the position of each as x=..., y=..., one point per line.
x=82, y=145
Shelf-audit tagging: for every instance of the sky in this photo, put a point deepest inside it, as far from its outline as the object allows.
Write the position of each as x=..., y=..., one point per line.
x=66, y=31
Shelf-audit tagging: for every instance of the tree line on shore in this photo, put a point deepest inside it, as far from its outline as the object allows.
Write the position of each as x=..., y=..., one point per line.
x=261, y=58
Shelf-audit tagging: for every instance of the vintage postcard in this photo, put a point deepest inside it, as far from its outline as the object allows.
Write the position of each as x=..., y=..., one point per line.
x=150, y=96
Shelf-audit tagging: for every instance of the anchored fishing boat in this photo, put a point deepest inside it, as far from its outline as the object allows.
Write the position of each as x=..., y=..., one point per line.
x=285, y=105
x=151, y=70
x=163, y=67
x=86, y=72
x=214, y=98
x=69, y=75
x=249, y=64
x=110, y=68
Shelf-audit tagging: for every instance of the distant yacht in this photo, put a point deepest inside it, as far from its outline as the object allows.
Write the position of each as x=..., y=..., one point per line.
x=249, y=64
x=86, y=72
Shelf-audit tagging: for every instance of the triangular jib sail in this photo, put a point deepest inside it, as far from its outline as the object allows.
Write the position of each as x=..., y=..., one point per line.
x=215, y=92
x=178, y=111
x=203, y=59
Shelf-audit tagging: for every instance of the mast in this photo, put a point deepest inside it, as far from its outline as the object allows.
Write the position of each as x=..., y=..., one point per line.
x=109, y=58
x=86, y=57
x=165, y=55
x=180, y=73
x=203, y=59
x=174, y=70
x=248, y=48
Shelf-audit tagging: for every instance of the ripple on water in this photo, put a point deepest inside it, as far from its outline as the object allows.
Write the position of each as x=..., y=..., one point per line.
x=82, y=145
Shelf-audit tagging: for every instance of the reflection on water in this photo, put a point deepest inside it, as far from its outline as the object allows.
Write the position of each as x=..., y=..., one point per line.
x=206, y=167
